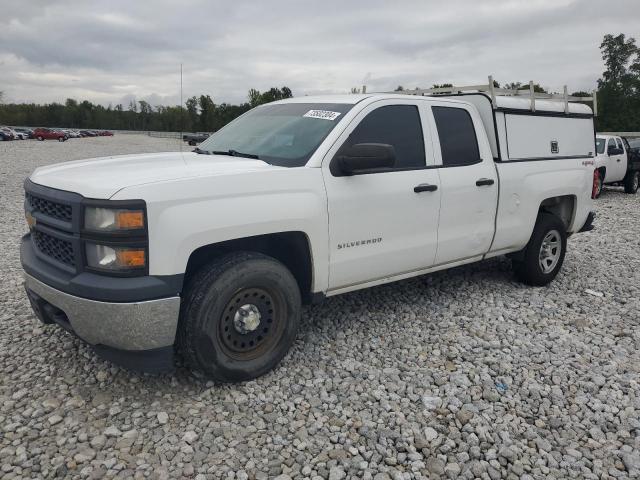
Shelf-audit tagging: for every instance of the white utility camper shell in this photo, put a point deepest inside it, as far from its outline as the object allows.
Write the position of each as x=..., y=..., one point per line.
x=524, y=126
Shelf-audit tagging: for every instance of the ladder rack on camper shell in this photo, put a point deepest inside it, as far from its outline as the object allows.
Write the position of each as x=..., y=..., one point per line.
x=493, y=91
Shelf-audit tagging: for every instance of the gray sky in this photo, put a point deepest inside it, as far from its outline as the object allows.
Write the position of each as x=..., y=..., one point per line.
x=111, y=51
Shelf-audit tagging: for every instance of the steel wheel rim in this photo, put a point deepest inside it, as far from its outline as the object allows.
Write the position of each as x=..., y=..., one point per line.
x=636, y=181
x=550, y=251
x=256, y=337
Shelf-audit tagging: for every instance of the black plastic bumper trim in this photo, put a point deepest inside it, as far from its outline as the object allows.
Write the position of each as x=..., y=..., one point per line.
x=157, y=360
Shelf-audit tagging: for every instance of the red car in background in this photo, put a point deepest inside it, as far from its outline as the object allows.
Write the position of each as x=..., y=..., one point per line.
x=49, y=134
x=105, y=133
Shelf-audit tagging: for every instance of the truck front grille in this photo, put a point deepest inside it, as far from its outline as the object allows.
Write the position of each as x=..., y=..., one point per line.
x=60, y=250
x=49, y=208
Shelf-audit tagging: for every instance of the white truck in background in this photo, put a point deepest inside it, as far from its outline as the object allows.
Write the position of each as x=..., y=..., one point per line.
x=616, y=164
x=213, y=251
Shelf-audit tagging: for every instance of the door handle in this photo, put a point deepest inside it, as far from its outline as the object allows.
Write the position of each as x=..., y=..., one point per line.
x=425, y=187
x=485, y=181
x=617, y=160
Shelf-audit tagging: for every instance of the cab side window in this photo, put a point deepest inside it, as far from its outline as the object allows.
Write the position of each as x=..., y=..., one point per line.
x=396, y=125
x=619, y=142
x=458, y=140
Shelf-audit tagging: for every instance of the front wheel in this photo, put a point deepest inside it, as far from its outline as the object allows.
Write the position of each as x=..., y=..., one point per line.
x=632, y=182
x=239, y=317
x=544, y=254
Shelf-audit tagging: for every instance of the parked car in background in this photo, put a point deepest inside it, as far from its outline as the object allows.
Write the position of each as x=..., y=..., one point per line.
x=11, y=132
x=105, y=133
x=5, y=135
x=72, y=133
x=194, y=139
x=18, y=135
x=27, y=131
x=88, y=133
x=634, y=144
x=49, y=134
x=616, y=164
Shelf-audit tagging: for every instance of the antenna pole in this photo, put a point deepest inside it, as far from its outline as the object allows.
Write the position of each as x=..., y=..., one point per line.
x=181, y=110
x=532, y=95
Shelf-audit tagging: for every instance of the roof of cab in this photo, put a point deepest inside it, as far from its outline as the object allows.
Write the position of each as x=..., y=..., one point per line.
x=347, y=98
x=353, y=98
x=507, y=102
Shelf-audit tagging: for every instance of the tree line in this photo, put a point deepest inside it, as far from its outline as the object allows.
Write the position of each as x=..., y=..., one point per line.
x=200, y=113
x=618, y=102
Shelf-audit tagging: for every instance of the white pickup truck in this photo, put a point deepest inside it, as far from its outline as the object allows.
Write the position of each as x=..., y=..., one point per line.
x=616, y=164
x=213, y=251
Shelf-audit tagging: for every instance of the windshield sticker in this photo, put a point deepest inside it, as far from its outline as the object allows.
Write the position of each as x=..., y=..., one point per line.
x=324, y=114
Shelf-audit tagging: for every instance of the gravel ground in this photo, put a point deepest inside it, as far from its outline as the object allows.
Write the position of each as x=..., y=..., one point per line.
x=460, y=374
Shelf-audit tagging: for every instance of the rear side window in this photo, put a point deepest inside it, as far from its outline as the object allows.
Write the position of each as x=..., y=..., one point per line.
x=396, y=125
x=458, y=140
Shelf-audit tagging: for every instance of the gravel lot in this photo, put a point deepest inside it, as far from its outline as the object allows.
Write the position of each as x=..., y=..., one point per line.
x=464, y=373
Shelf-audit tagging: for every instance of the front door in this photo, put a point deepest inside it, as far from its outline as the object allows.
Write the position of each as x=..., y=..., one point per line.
x=619, y=163
x=385, y=223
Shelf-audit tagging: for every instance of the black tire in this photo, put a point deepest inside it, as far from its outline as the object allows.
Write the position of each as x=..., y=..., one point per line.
x=632, y=182
x=209, y=338
x=529, y=268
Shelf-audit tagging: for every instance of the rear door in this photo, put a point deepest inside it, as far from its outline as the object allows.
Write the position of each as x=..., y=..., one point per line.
x=380, y=224
x=468, y=180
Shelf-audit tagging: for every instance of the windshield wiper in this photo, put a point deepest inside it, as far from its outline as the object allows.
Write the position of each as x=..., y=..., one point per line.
x=200, y=151
x=235, y=153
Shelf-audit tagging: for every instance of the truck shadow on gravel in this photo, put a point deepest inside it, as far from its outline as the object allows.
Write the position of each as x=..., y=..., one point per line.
x=324, y=327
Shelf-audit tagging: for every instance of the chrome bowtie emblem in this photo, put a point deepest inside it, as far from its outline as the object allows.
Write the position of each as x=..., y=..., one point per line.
x=31, y=220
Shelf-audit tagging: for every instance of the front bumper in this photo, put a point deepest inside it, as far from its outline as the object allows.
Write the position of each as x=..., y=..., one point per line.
x=129, y=331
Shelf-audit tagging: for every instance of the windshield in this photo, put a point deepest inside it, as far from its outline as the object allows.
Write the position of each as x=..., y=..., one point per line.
x=634, y=142
x=600, y=143
x=284, y=134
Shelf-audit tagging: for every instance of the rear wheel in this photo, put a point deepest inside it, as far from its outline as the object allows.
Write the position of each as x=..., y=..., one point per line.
x=544, y=254
x=632, y=182
x=39, y=137
x=239, y=317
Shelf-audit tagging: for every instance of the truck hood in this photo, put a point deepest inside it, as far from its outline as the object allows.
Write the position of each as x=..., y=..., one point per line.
x=103, y=177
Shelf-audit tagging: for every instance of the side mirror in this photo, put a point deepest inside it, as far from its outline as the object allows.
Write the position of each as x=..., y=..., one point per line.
x=614, y=151
x=362, y=157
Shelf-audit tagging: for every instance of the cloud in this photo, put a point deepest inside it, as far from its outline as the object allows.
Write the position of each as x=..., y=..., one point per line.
x=111, y=52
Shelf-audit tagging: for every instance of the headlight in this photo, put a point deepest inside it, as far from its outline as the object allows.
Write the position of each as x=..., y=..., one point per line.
x=113, y=219
x=113, y=258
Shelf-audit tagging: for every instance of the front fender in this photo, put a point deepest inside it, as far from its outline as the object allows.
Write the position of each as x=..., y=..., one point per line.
x=187, y=214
